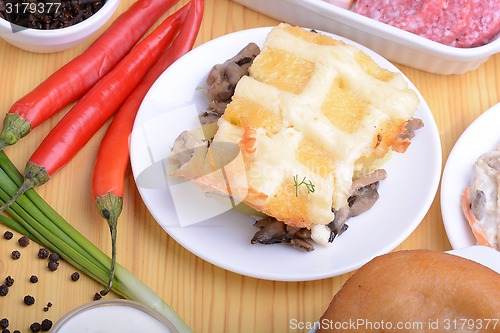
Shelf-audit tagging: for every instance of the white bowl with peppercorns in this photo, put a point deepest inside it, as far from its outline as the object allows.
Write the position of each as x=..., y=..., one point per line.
x=52, y=25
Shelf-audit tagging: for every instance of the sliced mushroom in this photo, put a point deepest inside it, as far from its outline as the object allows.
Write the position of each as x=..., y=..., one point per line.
x=363, y=195
x=411, y=126
x=209, y=117
x=302, y=233
x=273, y=231
x=263, y=222
x=223, y=78
x=301, y=244
x=338, y=226
x=370, y=178
x=364, y=199
x=183, y=148
x=478, y=203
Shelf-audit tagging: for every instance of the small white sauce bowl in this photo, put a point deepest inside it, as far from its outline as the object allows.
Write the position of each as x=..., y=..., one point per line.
x=113, y=316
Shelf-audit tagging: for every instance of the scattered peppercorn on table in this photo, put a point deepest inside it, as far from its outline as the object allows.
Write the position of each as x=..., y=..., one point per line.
x=208, y=298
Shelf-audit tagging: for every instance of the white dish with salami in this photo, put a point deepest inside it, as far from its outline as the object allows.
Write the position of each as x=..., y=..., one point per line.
x=459, y=23
x=420, y=36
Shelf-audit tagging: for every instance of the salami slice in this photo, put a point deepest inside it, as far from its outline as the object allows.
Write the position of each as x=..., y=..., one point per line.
x=412, y=15
x=451, y=24
x=486, y=25
x=459, y=23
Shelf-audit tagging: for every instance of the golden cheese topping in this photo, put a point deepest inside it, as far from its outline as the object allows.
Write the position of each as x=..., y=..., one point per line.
x=312, y=114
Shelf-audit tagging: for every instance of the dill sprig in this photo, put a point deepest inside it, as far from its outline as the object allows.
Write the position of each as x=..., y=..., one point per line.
x=308, y=184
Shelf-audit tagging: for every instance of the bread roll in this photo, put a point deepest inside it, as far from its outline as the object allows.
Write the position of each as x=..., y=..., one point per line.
x=417, y=291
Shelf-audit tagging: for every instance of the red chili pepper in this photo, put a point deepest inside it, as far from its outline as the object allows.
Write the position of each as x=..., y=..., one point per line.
x=113, y=154
x=90, y=113
x=108, y=177
x=75, y=78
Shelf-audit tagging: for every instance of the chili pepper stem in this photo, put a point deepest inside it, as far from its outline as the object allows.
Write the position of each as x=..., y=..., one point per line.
x=110, y=207
x=14, y=128
x=34, y=175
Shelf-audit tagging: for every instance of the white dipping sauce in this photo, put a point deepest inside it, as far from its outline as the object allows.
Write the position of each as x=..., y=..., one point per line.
x=109, y=318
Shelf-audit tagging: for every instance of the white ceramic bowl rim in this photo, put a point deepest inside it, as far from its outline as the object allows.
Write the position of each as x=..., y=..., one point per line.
x=113, y=302
x=6, y=26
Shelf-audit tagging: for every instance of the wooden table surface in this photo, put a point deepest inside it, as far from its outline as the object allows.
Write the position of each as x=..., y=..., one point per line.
x=207, y=297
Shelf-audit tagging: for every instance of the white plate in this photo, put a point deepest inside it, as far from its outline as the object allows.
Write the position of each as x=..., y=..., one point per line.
x=405, y=196
x=484, y=255
x=480, y=137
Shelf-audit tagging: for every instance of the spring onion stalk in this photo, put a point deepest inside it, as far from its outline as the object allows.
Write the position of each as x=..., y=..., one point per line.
x=32, y=216
x=16, y=227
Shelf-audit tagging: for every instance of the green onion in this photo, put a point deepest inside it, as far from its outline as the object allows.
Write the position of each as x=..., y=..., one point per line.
x=32, y=216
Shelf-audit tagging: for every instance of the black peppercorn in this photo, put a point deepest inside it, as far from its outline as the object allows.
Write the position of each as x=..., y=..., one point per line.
x=54, y=256
x=5, y=330
x=69, y=13
x=23, y=241
x=35, y=327
x=34, y=279
x=46, y=325
x=16, y=255
x=4, y=290
x=16, y=331
x=75, y=276
x=29, y=300
x=97, y=296
x=4, y=323
x=8, y=235
x=9, y=281
x=43, y=253
x=52, y=265
x=49, y=305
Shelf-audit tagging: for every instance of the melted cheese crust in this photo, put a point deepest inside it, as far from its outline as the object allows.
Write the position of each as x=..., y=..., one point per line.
x=313, y=109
